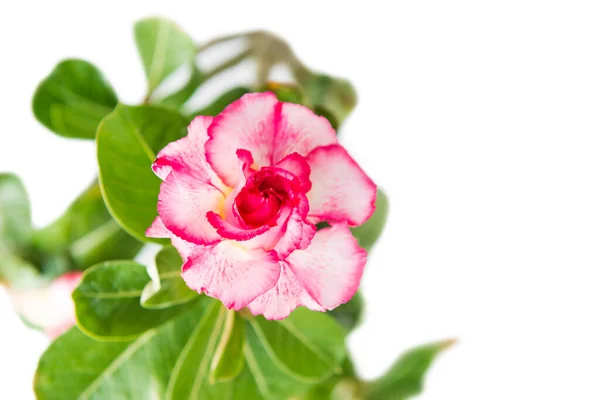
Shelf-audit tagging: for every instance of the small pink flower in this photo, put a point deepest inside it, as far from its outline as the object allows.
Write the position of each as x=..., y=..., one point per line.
x=240, y=198
x=50, y=307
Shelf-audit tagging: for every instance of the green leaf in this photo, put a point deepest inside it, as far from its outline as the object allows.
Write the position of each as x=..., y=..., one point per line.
x=167, y=288
x=349, y=315
x=76, y=366
x=333, y=98
x=16, y=272
x=85, y=234
x=368, y=233
x=128, y=140
x=307, y=345
x=107, y=302
x=15, y=213
x=180, y=97
x=286, y=92
x=228, y=360
x=405, y=378
x=163, y=47
x=222, y=101
x=73, y=99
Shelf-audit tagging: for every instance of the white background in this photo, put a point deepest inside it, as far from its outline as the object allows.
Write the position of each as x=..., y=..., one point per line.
x=480, y=119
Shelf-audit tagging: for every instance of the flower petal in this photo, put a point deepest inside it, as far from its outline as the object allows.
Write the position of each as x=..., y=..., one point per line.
x=158, y=229
x=297, y=165
x=229, y=231
x=187, y=155
x=231, y=273
x=282, y=299
x=296, y=234
x=341, y=191
x=183, y=202
x=300, y=130
x=330, y=268
x=248, y=123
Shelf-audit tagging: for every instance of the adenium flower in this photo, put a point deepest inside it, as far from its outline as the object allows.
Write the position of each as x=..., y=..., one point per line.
x=240, y=198
x=49, y=307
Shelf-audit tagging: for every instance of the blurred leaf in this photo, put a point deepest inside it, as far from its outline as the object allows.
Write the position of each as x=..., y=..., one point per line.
x=167, y=287
x=128, y=140
x=349, y=314
x=85, y=234
x=286, y=92
x=16, y=272
x=222, y=101
x=163, y=47
x=76, y=366
x=73, y=99
x=308, y=346
x=107, y=302
x=368, y=233
x=333, y=98
x=405, y=378
x=180, y=97
x=228, y=360
x=15, y=213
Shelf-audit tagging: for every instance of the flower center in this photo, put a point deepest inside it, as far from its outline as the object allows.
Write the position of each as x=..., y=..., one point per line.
x=259, y=202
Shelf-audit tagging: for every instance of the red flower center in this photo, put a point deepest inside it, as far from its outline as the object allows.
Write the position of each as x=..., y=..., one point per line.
x=259, y=202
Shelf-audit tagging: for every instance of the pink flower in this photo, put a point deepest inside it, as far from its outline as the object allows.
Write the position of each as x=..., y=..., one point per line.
x=50, y=307
x=240, y=198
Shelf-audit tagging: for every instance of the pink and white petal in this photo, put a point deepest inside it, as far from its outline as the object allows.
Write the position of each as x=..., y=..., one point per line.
x=231, y=273
x=297, y=165
x=300, y=130
x=182, y=206
x=158, y=229
x=230, y=231
x=184, y=248
x=187, y=155
x=330, y=268
x=284, y=297
x=248, y=123
x=296, y=235
x=341, y=191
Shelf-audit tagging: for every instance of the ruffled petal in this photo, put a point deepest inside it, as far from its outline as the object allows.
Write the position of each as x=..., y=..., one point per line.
x=300, y=130
x=158, y=229
x=297, y=165
x=341, y=191
x=183, y=202
x=330, y=268
x=296, y=234
x=231, y=273
x=282, y=299
x=248, y=123
x=187, y=155
x=229, y=231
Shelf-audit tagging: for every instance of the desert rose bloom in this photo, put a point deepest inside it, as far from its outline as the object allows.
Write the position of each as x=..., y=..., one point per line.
x=50, y=307
x=240, y=197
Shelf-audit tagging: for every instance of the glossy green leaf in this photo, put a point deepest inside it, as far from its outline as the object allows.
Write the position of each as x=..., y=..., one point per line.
x=222, y=101
x=73, y=99
x=272, y=382
x=167, y=288
x=405, y=378
x=349, y=315
x=228, y=360
x=307, y=345
x=163, y=47
x=128, y=141
x=76, y=366
x=85, y=234
x=107, y=302
x=181, y=96
x=190, y=374
x=368, y=233
x=15, y=213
